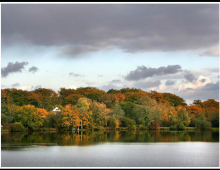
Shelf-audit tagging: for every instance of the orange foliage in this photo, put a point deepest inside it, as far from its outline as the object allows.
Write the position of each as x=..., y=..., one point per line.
x=34, y=96
x=70, y=116
x=118, y=97
x=42, y=112
x=157, y=96
x=135, y=96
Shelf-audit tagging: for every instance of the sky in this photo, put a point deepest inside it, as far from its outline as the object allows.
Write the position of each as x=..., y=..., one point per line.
x=164, y=47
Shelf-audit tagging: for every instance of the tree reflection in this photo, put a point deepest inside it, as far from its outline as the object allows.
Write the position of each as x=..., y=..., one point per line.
x=91, y=138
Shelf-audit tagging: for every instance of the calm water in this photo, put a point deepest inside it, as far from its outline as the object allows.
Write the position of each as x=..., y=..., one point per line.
x=111, y=149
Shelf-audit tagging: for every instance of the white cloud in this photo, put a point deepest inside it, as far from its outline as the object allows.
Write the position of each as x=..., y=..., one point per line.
x=71, y=87
x=195, y=85
x=27, y=87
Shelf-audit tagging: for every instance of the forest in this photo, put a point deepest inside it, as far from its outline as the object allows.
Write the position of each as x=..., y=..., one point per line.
x=89, y=108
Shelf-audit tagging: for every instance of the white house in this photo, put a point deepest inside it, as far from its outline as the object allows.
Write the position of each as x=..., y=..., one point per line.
x=56, y=110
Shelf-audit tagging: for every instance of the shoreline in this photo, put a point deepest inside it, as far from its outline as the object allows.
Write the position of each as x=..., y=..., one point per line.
x=5, y=131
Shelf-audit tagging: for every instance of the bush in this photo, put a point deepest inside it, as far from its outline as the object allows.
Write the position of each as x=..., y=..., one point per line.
x=126, y=122
x=202, y=123
x=173, y=128
x=153, y=125
x=133, y=127
x=123, y=128
x=17, y=127
x=207, y=125
x=182, y=126
x=141, y=127
x=99, y=128
x=111, y=123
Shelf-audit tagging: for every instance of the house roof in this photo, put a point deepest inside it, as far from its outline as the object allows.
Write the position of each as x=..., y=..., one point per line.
x=56, y=109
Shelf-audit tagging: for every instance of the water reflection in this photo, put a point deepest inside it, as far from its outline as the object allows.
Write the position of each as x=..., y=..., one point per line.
x=16, y=140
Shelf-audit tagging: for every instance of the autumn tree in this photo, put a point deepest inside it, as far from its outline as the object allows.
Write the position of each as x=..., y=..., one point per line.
x=93, y=108
x=92, y=93
x=156, y=96
x=83, y=106
x=42, y=112
x=72, y=99
x=70, y=117
x=49, y=98
x=29, y=116
x=173, y=99
x=18, y=97
x=197, y=102
x=100, y=114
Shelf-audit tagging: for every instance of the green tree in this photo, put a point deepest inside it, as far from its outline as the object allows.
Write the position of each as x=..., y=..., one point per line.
x=184, y=119
x=202, y=123
x=29, y=117
x=174, y=100
x=180, y=120
x=83, y=106
x=154, y=118
x=127, y=107
x=49, y=98
x=4, y=119
x=17, y=127
x=117, y=111
x=127, y=122
x=140, y=114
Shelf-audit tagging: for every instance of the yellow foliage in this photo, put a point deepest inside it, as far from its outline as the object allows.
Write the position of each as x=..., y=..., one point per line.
x=42, y=112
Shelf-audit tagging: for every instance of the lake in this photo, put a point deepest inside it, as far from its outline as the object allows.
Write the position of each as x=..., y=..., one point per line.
x=111, y=149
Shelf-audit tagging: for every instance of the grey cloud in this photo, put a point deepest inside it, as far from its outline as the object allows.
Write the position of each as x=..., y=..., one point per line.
x=211, y=86
x=116, y=81
x=33, y=69
x=170, y=82
x=215, y=69
x=110, y=86
x=79, y=28
x=79, y=49
x=16, y=85
x=190, y=77
x=143, y=72
x=100, y=75
x=76, y=75
x=175, y=77
x=209, y=91
x=13, y=68
x=211, y=52
x=114, y=84
x=188, y=88
x=147, y=84
x=203, y=80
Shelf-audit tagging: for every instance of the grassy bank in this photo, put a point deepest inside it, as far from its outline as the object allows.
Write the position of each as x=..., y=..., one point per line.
x=215, y=129
x=5, y=131
x=189, y=128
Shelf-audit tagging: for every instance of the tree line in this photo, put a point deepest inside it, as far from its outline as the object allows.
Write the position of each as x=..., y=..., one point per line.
x=91, y=108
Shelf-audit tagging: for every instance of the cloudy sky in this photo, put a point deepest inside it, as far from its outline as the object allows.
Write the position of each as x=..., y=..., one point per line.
x=163, y=47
